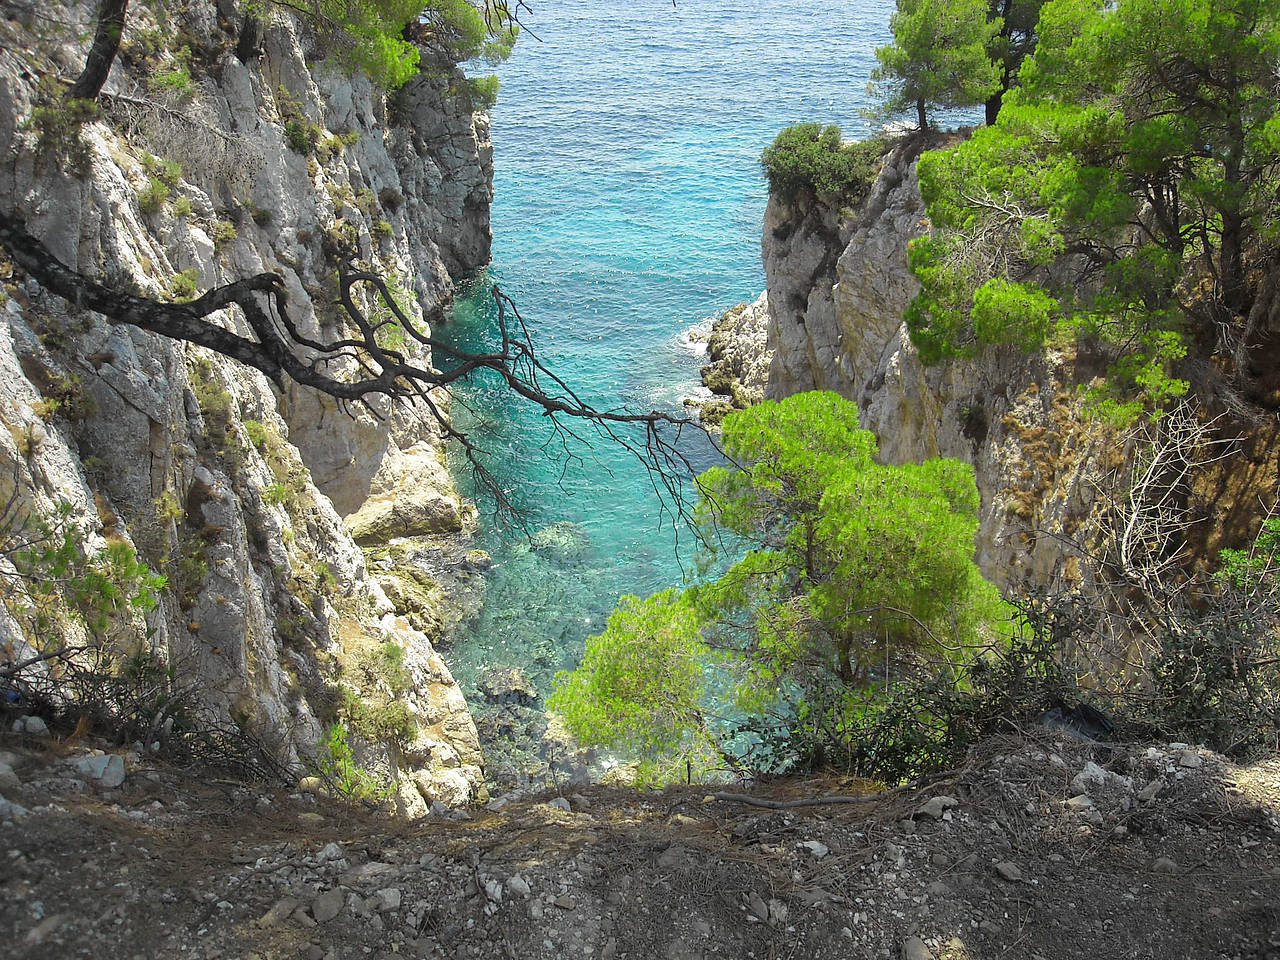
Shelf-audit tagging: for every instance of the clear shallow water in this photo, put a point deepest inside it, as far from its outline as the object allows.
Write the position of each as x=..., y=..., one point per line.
x=628, y=209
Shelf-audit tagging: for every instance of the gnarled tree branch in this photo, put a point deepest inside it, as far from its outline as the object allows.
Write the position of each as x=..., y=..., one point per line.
x=358, y=367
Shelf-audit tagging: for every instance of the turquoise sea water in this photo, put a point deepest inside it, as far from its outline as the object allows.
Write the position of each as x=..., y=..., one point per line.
x=628, y=209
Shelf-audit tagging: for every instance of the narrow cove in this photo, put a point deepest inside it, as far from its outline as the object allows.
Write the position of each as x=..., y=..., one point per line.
x=627, y=212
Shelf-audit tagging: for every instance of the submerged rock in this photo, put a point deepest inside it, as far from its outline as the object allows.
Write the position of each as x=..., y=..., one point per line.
x=507, y=685
x=564, y=541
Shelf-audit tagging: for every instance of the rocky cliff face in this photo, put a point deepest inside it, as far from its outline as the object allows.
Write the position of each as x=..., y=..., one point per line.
x=837, y=289
x=245, y=498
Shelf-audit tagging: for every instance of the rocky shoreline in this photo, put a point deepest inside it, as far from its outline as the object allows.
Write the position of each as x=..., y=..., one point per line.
x=738, y=361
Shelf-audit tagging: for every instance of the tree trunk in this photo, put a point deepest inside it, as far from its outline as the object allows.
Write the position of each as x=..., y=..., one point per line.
x=924, y=122
x=250, y=42
x=102, y=54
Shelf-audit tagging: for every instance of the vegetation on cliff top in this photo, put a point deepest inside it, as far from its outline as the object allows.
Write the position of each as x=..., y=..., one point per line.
x=810, y=157
x=1125, y=195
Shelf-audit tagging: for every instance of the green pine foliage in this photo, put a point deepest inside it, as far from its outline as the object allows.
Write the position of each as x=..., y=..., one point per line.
x=370, y=35
x=1142, y=145
x=939, y=58
x=848, y=569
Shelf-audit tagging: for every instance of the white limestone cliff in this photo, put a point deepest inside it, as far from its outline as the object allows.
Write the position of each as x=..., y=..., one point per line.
x=838, y=286
x=244, y=497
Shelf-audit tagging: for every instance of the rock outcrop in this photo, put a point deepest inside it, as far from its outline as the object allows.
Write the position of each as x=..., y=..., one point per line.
x=245, y=498
x=738, y=360
x=838, y=287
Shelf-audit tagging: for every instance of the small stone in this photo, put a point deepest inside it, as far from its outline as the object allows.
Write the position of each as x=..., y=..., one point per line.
x=560, y=803
x=389, y=898
x=35, y=726
x=497, y=805
x=1150, y=791
x=507, y=685
x=757, y=908
x=282, y=909
x=328, y=905
x=935, y=807
x=565, y=902
x=778, y=913
x=330, y=851
x=311, y=785
x=610, y=950
x=536, y=911
x=815, y=847
x=1009, y=871
x=578, y=802
x=493, y=890
x=1189, y=759
x=518, y=886
x=1080, y=802
x=913, y=948
x=310, y=818
x=1165, y=865
x=8, y=779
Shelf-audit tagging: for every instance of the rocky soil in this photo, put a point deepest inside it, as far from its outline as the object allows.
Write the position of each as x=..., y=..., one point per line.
x=1038, y=848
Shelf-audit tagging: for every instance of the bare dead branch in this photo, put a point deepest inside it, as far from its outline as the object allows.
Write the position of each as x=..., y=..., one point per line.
x=356, y=368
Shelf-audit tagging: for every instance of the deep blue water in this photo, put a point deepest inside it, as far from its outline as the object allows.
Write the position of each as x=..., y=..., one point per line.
x=628, y=209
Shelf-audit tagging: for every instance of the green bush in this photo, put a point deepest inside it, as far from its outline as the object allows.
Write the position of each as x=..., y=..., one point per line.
x=59, y=129
x=152, y=197
x=337, y=765
x=810, y=157
x=182, y=286
x=224, y=232
x=849, y=569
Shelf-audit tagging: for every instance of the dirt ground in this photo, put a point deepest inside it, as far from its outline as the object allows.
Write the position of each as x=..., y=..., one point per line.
x=1038, y=848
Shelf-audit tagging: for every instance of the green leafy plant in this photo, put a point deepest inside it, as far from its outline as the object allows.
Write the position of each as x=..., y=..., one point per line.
x=337, y=764
x=257, y=433
x=59, y=130
x=1159, y=186
x=167, y=172
x=56, y=573
x=276, y=493
x=810, y=157
x=183, y=285
x=851, y=570
x=153, y=197
x=224, y=232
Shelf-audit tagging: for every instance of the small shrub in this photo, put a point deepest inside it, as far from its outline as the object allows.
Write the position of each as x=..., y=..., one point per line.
x=182, y=207
x=176, y=82
x=167, y=507
x=46, y=408
x=152, y=197
x=65, y=395
x=261, y=216
x=168, y=172
x=811, y=157
x=482, y=92
x=391, y=199
x=338, y=766
x=224, y=232
x=276, y=493
x=59, y=128
x=182, y=286
x=256, y=431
